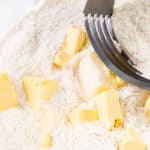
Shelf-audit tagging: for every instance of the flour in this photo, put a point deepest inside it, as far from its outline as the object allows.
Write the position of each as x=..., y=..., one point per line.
x=131, y=24
x=28, y=50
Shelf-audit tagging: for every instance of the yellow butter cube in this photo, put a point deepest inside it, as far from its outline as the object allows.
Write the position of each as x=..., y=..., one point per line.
x=109, y=109
x=39, y=88
x=82, y=115
x=147, y=107
x=132, y=141
x=60, y=59
x=75, y=39
x=8, y=98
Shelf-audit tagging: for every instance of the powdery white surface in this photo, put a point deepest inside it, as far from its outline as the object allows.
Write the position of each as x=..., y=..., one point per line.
x=131, y=24
x=11, y=12
x=27, y=50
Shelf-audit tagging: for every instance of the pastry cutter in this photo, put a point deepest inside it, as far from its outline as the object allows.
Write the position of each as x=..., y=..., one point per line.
x=102, y=37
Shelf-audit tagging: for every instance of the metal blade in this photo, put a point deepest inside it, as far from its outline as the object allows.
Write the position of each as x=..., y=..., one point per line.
x=111, y=62
x=99, y=7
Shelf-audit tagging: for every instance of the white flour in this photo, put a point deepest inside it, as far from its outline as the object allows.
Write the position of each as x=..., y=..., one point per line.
x=14, y=11
x=28, y=50
x=131, y=21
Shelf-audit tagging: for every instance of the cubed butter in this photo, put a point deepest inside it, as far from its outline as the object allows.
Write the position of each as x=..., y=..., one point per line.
x=109, y=109
x=147, y=107
x=75, y=39
x=83, y=115
x=132, y=141
x=61, y=58
x=8, y=97
x=39, y=88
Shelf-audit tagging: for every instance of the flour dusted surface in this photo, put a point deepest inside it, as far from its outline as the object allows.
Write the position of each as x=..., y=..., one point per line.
x=27, y=50
x=131, y=21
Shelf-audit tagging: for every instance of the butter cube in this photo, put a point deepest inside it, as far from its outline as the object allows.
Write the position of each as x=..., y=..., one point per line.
x=82, y=115
x=61, y=58
x=132, y=141
x=8, y=98
x=39, y=88
x=147, y=107
x=75, y=39
x=109, y=109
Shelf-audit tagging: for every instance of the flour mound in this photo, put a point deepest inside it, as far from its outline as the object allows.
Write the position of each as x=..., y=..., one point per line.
x=131, y=24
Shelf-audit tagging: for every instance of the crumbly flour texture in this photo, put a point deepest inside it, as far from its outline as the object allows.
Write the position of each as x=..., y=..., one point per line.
x=131, y=24
x=28, y=50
